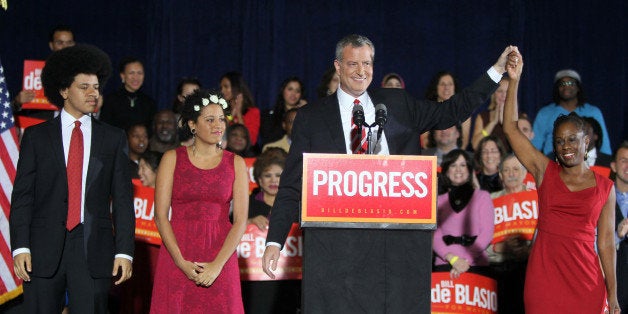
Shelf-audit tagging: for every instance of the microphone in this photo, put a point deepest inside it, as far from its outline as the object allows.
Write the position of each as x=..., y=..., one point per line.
x=358, y=116
x=381, y=117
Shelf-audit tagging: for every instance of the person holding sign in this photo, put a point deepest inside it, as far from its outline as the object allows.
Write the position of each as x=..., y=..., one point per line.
x=465, y=219
x=564, y=273
x=197, y=270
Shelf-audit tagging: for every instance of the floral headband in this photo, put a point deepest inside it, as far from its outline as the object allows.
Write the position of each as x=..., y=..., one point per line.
x=214, y=99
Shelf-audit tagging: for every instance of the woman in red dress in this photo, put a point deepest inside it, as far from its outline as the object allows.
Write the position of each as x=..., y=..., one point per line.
x=564, y=273
x=197, y=270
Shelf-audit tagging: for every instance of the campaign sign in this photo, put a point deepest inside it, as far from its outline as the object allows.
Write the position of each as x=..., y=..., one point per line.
x=516, y=214
x=251, y=250
x=601, y=170
x=249, y=170
x=32, y=81
x=143, y=202
x=369, y=191
x=470, y=293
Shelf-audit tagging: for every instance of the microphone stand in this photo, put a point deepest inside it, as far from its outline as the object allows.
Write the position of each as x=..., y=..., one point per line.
x=370, y=149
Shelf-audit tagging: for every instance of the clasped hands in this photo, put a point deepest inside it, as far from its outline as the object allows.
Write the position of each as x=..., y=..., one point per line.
x=203, y=274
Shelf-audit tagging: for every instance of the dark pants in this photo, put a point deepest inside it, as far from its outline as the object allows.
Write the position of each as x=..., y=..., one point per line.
x=86, y=294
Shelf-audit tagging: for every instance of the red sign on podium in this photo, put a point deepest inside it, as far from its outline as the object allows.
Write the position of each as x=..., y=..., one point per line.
x=369, y=191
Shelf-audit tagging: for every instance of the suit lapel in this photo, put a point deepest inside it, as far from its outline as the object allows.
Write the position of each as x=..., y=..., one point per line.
x=95, y=164
x=56, y=140
x=331, y=112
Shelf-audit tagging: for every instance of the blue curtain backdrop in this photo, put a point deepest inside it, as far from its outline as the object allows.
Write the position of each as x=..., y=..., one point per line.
x=270, y=40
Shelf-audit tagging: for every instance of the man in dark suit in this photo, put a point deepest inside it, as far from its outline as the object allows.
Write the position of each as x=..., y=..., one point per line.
x=365, y=270
x=619, y=165
x=72, y=220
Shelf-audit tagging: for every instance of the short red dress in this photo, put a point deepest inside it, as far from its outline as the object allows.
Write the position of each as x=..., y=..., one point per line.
x=564, y=274
x=200, y=221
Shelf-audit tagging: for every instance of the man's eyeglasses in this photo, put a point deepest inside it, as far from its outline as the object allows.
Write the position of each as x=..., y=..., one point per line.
x=567, y=83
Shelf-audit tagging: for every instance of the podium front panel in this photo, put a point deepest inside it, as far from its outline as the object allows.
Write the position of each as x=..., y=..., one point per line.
x=369, y=191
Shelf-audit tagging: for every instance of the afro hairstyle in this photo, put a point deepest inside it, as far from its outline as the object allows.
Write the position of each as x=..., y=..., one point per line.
x=64, y=65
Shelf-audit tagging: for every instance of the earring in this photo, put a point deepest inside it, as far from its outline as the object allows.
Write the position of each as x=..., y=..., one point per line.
x=219, y=145
x=193, y=132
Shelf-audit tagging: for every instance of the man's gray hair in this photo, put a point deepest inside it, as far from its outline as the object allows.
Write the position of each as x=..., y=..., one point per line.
x=355, y=41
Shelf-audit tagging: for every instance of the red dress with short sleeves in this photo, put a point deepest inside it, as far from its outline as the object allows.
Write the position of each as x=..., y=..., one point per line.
x=564, y=274
x=200, y=221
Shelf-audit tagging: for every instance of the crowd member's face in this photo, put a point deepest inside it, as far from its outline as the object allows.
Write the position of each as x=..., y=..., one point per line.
x=186, y=90
x=568, y=89
x=588, y=131
x=512, y=174
x=60, y=40
x=225, y=89
x=447, y=137
x=81, y=97
x=165, y=127
x=490, y=157
x=393, y=82
x=458, y=172
x=237, y=140
x=147, y=174
x=445, y=88
x=269, y=180
x=333, y=84
x=210, y=124
x=526, y=128
x=133, y=76
x=138, y=140
x=355, y=70
x=620, y=165
x=500, y=93
x=292, y=94
x=570, y=144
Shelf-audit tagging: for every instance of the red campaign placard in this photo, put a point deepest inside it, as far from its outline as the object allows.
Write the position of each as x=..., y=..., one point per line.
x=143, y=202
x=529, y=182
x=249, y=170
x=470, y=293
x=369, y=189
x=32, y=81
x=515, y=213
x=251, y=249
x=601, y=170
x=23, y=122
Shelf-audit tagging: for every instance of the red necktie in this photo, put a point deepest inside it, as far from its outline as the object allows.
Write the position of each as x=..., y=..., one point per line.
x=358, y=141
x=75, y=176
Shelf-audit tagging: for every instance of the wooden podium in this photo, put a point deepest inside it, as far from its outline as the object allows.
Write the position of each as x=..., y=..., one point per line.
x=367, y=224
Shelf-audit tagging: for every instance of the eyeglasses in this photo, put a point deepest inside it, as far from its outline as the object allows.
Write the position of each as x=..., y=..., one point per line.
x=567, y=83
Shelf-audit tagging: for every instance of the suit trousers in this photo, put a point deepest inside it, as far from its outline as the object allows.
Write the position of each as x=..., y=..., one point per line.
x=85, y=294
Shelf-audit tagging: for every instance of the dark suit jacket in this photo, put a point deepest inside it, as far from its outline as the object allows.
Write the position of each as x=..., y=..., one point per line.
x=365, y=270
x=39, y=204
x=622, y=264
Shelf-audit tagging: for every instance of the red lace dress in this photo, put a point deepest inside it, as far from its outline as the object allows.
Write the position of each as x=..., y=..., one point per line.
x=564, y=274
x=200, y=221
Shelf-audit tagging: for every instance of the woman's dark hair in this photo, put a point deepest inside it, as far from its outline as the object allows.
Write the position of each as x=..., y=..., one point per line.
x=272, y=156
x=238, y=86
x=449, y=159
x=246, y=152
x=176, y=104
x=478, y=153
x=323, y=86
x=597, y=129
x=573, y=118
x=64, y=65
x=188, y=112
x=431, y=93
x=280, y=104
x=126, y=61
x=152, y=158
